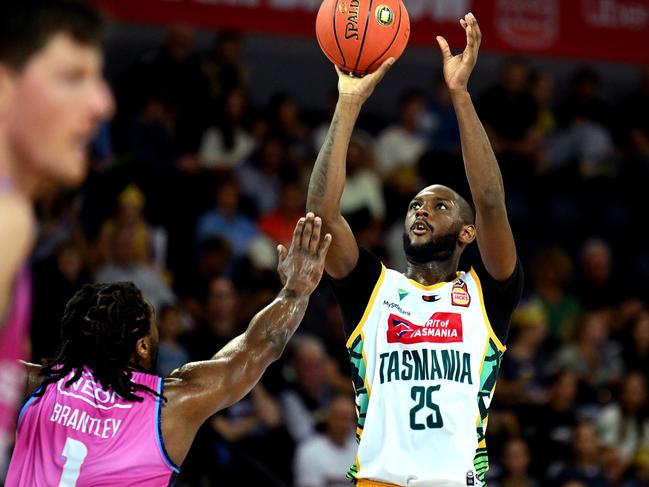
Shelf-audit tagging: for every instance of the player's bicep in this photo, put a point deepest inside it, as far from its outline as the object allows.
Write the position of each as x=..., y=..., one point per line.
x=343, y=251
x=212, y=385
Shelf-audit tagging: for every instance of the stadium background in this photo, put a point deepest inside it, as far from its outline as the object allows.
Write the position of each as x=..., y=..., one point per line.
x=204, y=168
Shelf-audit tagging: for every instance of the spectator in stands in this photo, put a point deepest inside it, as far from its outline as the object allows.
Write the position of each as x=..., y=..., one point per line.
x=278, y=225
x=636, y=349
x=595, y=287
x=225, y=220
x=223, y=68
x=227, y=142
x=515, y=466
x=585, y=137
x=54, y=282
x=286, y=123
x=594, y=359
x=171, y=353
x=624, y=424
x=363, y=188
x=129, y=217
x=323, y=459
x=549, y=426
x=124, y=266
x=305, y=402
x=221, y=319
x=551, y=276
x=257, y=448
x=399, y=146
x=525, y=364
x=58, y=222
x=585, y=465
x=439, y=122
x=510, y=113
x=260, y=177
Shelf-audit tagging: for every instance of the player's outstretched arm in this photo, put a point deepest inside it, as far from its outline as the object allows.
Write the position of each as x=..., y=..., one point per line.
x=494, y=234
x=328, y=176
x=198, y=390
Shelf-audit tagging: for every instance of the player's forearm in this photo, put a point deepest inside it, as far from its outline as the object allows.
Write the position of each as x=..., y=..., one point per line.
x=329, y=172
x=483, y=173
x=272, y=328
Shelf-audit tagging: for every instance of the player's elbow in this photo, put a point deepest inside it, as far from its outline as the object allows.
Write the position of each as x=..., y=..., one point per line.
x=276, y=341
x=490, y=200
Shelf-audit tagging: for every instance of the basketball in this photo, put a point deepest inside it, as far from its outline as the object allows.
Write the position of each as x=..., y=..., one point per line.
x=359, y=35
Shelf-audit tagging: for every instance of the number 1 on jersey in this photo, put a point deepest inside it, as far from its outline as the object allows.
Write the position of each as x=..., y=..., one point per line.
x=424, y=398
x=75, y=453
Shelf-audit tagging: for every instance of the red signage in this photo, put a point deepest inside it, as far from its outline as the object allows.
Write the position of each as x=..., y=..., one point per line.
x=440, y=328
x=598, y=29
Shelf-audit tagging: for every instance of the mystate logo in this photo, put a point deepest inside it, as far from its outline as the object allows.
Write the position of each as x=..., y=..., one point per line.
x=527, y=24
x=440, y=328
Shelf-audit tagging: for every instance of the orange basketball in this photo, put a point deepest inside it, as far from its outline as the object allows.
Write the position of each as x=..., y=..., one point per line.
x=358, y=35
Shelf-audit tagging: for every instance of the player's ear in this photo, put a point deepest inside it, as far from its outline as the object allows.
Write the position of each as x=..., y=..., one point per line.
x=467, y=235
x=143, y=348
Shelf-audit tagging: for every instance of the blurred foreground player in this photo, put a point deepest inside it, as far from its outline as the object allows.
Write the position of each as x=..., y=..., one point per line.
x=98, y=417
x=426, y=345
x=52, y=96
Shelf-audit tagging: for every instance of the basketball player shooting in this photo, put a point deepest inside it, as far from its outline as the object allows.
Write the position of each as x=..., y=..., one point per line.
x=425, y=345
x=52, y=96
x=98, y=417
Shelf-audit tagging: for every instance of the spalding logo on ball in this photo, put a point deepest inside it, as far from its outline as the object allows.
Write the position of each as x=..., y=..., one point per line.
x=359, y=35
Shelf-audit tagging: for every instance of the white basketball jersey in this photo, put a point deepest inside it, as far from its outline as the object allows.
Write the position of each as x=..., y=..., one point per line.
x=424, y=366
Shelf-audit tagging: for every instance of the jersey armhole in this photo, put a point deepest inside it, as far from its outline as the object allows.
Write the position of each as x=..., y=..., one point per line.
x=158, y=420
x=370, y=304
x=490, y=329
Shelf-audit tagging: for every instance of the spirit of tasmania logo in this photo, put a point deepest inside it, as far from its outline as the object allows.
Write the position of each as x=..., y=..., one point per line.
x=440, y=328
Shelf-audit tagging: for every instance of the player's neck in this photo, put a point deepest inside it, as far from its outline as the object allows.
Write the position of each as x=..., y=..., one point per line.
x=19, y=177
x=433, y=272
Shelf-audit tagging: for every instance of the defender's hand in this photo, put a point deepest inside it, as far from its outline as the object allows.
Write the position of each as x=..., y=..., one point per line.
x=359, y=89
x=300, y=268
x=457, y=69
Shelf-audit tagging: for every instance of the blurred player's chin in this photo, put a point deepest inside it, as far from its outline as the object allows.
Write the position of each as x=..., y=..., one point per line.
x=67, y=171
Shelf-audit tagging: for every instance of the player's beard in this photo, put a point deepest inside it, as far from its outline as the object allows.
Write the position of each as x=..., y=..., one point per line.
x=438, y=248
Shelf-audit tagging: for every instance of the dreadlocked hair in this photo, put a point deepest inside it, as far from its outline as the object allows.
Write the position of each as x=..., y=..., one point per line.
x=99, y=330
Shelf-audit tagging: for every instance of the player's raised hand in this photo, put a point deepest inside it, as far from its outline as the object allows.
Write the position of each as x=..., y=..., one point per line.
x=300, y=268
x=360, y=89
x=457, y=69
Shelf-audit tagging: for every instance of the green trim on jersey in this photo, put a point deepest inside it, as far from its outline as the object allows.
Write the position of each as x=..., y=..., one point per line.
x=358, y=374
x=488, y=377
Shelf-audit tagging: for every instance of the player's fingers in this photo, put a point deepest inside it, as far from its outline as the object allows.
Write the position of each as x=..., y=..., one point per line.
x=282, y=252
x=324, y=246
x=463, y=23
x=476, y=28
x=470, y=37
x=380, y=73
x=297, y=233
x=315, y=238
x=443, y=45
x=308, y=230
x=338, y=71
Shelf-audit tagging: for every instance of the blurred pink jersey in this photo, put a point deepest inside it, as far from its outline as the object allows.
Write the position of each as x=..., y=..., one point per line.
x=84, y=436
x=14, y=335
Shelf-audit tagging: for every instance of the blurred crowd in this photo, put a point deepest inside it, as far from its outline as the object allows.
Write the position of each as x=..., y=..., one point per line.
x=191, y=187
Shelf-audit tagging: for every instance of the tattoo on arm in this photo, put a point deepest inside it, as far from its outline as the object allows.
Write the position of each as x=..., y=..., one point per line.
x=318, y=183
